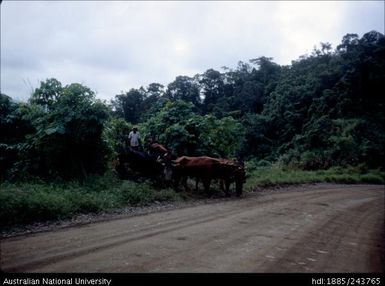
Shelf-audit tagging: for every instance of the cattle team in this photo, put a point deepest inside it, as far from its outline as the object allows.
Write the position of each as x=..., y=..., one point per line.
x=159, y=165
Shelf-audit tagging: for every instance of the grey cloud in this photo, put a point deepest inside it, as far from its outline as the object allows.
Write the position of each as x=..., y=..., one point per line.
x=114, y=46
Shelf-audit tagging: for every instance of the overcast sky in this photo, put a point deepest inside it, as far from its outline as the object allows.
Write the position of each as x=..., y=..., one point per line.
x=115, y=46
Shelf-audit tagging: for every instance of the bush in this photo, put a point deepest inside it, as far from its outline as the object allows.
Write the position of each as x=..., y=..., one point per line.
x=59, y=134
x=276, y=175
x=24, y=203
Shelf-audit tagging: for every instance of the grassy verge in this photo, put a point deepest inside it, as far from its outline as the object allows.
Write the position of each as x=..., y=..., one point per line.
x=24, y=203
x=276, y=175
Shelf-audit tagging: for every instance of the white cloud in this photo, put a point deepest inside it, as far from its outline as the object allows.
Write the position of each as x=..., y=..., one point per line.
x=304, y=24
x=114, y=46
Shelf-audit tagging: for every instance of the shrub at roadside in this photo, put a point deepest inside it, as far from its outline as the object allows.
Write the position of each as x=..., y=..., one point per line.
x=29, y=202
x=275, y=175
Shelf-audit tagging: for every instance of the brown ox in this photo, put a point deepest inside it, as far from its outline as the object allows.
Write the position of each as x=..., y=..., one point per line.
x=158, y=149
x=207, y=169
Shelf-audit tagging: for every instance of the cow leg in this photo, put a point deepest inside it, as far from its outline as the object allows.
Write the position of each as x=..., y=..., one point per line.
x=227, y=187
x=224, y=185
x=238, y=187
x=196, y=184
x=206, y=185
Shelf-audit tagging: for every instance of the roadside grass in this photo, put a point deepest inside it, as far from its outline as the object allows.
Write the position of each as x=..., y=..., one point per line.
x=34, y=201
x=23, y=203
x=276, y=175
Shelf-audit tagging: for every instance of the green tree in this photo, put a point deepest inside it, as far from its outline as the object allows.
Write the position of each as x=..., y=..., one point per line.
x=64, y=140
x=331, y=91
x=212, y=84
x=187, y=133
x=154, y=100
x=13, y=129
x=48, y=93
x=115, y=133
x=129, y=105
x=184, y=88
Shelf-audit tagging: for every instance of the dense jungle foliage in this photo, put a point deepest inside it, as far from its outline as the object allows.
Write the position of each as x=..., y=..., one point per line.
x=324, y=110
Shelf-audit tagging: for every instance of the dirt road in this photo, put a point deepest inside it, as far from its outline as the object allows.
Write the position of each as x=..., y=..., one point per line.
x=323, y=228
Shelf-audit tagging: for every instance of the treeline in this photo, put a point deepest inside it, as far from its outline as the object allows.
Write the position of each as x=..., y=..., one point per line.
x=323, y=110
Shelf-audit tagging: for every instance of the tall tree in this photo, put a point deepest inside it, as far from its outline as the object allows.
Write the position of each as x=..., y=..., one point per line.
x=184, y=88
x=48, y=92
x=212, y=84
x=129, y=105
x=64, y=140
x=154, y=100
